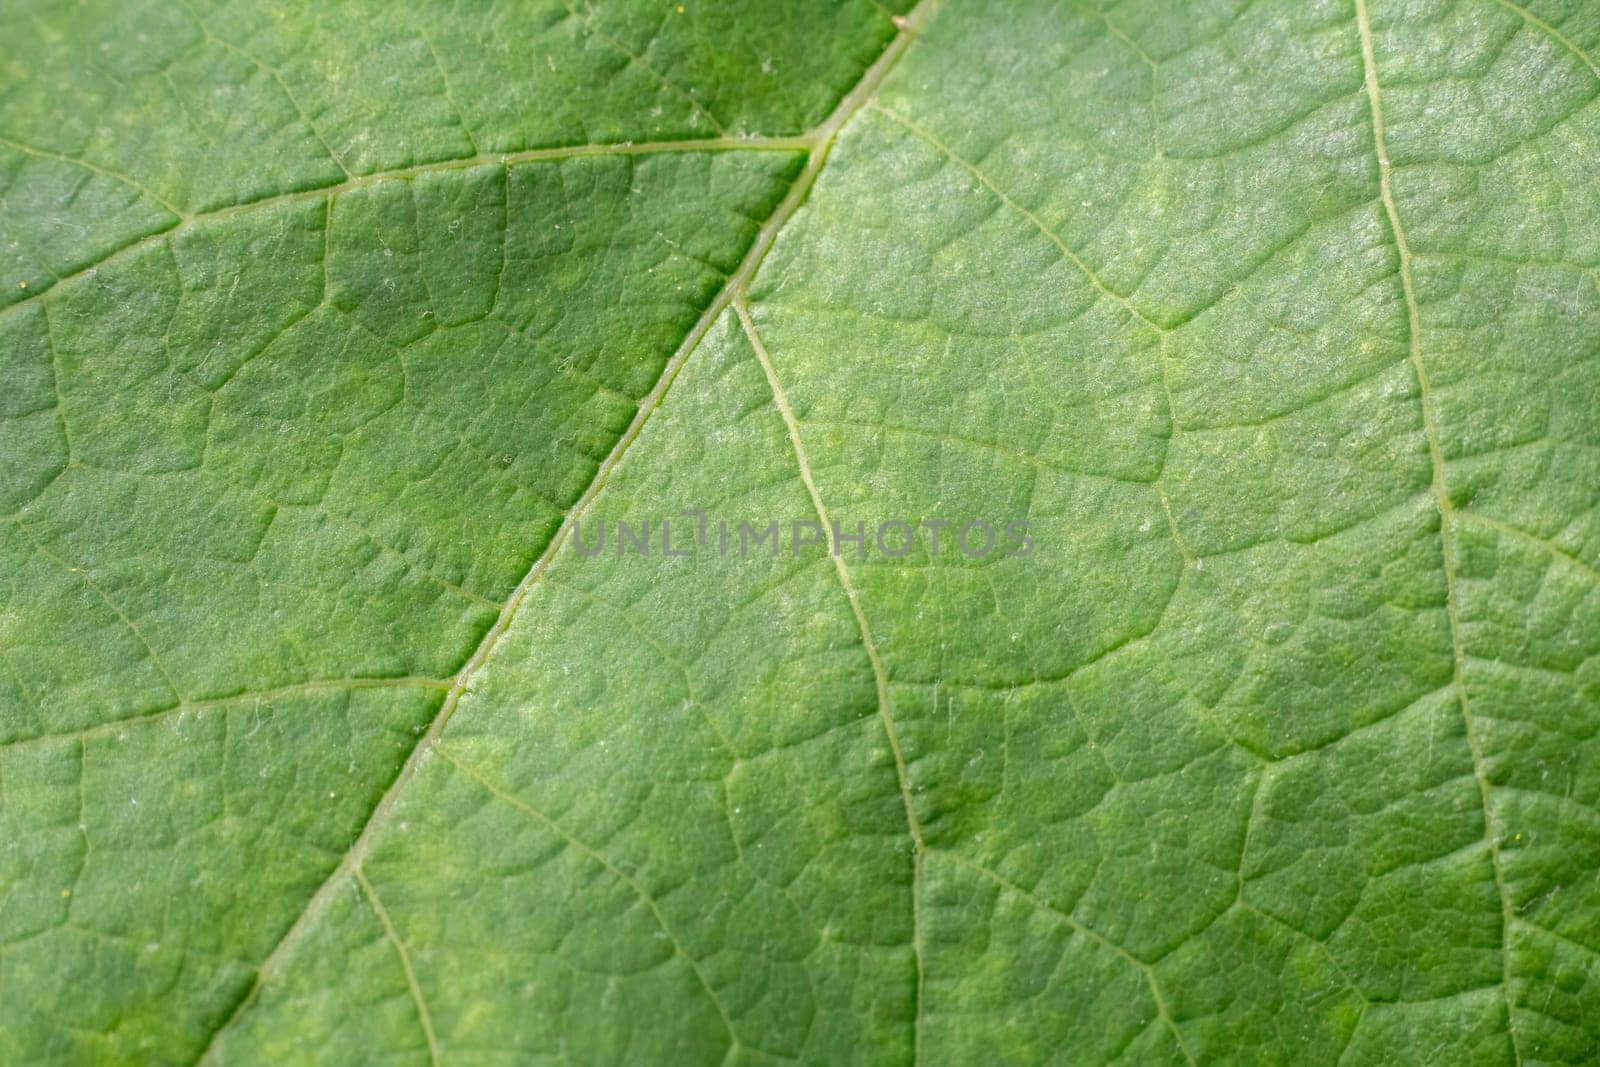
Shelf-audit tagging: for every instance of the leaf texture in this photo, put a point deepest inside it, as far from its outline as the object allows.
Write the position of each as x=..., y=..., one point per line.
x=331, y=331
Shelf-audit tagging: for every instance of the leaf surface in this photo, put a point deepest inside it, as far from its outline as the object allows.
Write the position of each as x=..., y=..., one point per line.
x=332, y=331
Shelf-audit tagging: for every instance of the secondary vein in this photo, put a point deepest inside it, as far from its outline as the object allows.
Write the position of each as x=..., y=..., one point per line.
x=880, y=676
x=819, y=141
x=1441, y=498
x=186, y=221
x=405, y=964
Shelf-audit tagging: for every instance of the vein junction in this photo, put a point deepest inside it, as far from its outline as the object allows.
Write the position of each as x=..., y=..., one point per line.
x=183, y=220
x=817, y=142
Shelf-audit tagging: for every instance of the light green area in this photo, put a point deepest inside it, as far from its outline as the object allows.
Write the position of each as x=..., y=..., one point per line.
x=1278, y=322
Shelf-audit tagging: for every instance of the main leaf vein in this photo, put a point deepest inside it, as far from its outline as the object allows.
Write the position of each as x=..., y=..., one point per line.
x=818, y=142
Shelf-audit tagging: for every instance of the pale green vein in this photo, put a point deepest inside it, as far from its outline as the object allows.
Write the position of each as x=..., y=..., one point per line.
x=644, y=897
x=1554, y=33
x=381, y=545
x=504, y=159
x=276, y=76
x=934, y=141
x=393, y=935
x=666, y=655
x=1072, y=921
x=115, y=608
x=1116, y=31
x=997, y=449
x=1554, y=936
x=94, y=168
x=1094, y=279
x=1535, y=541
x=1441, y=497
x=667, y=83
x=879, y=674
x=819, y=140
x=449, y=95
x=257, y=696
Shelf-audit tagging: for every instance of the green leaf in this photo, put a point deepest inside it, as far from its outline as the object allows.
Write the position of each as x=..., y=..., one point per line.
x=331, y=332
